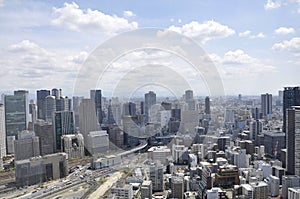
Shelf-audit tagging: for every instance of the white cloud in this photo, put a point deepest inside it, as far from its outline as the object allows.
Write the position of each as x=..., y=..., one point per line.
x=245, y=34
x=238, y=64
x=284, y=31
x=259, y=35
x=128, y=13
x=74, y=18
x=289, y=45
x=79, y=58
x=205, y=31
x=272, y=4
x=2, y=3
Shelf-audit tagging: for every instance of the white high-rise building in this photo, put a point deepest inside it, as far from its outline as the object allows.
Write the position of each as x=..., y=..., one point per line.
x=97, y=142
x=2, y=132
x=274, y=186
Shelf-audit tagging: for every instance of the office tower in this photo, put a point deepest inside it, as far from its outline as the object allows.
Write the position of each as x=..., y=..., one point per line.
x=255, y=130
x=16, y=116
x=73, y=145
x=291, y=97
x=274, y=186
x=124, y=191
x=159, y=153
x=129, y=108
x=116, y=113
x=97, y=142
x=33, y=111
x=2, y=132
x=44, y=131
x=41, y=169
x=75, y=107
x=260, y=190
x=62, y=104
x=50, y=108
x=146, y=189
x=56, y=93
x=87, y=117
x=177, y=187
x=166, y=106
x=176, y=114
x=293, y=140
x=189, y=95
x=96, y=95
x=116, y=136
x=207, y=105
x=157, y=176
x=41, y=103
x=131, y=130
x=150, y=100
x=26, y=146
x=142, y=107
x=266, y=105
x=240, y=97
x=63, y=125
x=289, y=181
x=274, y=141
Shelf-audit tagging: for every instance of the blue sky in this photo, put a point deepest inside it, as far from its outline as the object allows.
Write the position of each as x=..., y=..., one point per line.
x=255, y=44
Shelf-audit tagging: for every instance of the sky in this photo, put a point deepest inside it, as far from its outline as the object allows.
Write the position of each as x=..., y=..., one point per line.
x=254, y=44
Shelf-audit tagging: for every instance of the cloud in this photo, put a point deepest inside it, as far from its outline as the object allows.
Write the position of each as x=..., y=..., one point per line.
x=289, y=45
x=76, y=19
x=259, y=36
x=204, y=31
x=245, y=34
x=272, y=4
x=284, y=31
x=238, y=64
x=2, y=4
x=128, y=13
x=79, y=58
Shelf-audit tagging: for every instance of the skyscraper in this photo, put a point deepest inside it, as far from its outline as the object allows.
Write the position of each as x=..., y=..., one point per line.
x=293, y=140
x=2, y=133
x=207, y=105
x=291, y=97
x=157, y=176
x=50, y=103
x=150, y=100
x=96, y=95
x=41, y=103
x=63, y=125
x=87, y=117
x=129, y=108
x=45, y=133
x=266, y=105
x=56, y=93
x=16, y=116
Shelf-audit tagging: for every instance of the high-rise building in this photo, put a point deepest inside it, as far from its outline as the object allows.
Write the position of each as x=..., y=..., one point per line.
x=56, y=93
x=116, y=136
x=50, y=108
x=44, y=131
x=26, y=146
x=87, y=118
x=129, y=108
x=2, y=133
x=97, y=142
x=62, y=104
x=177, y=187
x=274, y=186
x=146, y=189
x=291, y=97
x=16, y=116
x=294, y=193
x=63, y=125
x=157, y=176
x=207, y=105
x=150, y=100
x=76, y=102
x=289, y=181
x=41, y=103
x=96, y=95
x=266, y=105
x=189, y=95
x=73, y=145
x=40, y=169
x=293, y=140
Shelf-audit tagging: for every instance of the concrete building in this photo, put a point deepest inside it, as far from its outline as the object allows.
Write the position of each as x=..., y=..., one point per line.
x=116, y=136
x=44, y=131
x=247, y=191
x=73, y=145
x=157, y=176
x=177, y=187
x=50, y=109
x=289, y=181
x=260, y=190
x=88, y=120
x=96, y=96
x=159, y=153
x=274, y=141
x=26, y=146
x=105, y=161
x=40, y=169
x=146, y=189
x=207, y=105
x=150, y=100
x=227, y=176
x=291, y=97
x=41, y=103
x=2, y=132
x=274, y=186
x=97, y=142
x=294, y=193
x=124, y=191
x=266, y=105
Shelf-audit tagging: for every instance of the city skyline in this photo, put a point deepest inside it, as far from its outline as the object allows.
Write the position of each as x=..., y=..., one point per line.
x=256, y=45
